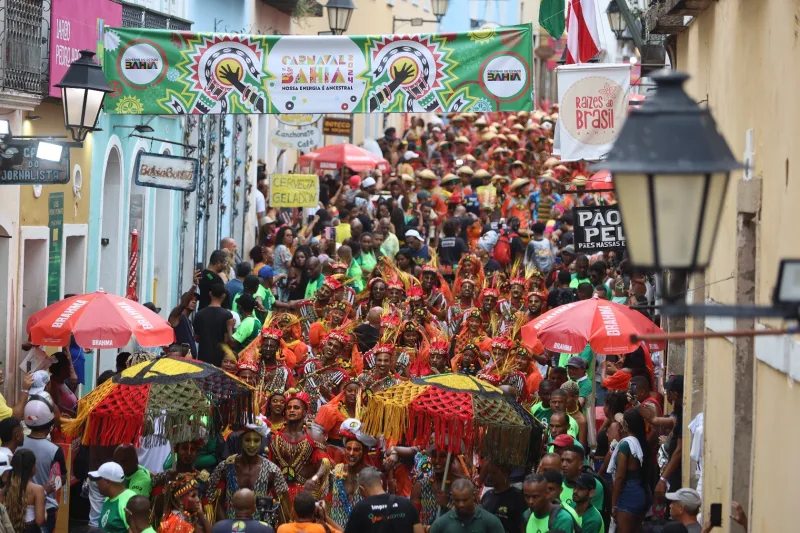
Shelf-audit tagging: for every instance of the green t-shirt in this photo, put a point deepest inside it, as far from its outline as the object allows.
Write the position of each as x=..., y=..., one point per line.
x=354, y=274
x=112, y=515
x=597, y=500
x=542, y=413
x=268, y=299
x=367, y=261
x=587, y=355
x=140, y=482
x=313, y=286
x=537, y=524
x=262, y=293
x=585, y=387
x=149, y=530
x=591, y=521
x=577, y=281
x=248, y=330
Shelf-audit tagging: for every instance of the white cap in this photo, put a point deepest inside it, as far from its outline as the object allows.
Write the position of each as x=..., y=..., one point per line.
x=40, y=380
x=410, y=155
x=368, y=182
x=413, y=233
x=109, y=471
x=5, y=460
x=37, y=413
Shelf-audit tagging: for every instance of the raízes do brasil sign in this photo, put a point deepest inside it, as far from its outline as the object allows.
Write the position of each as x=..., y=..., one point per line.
x=598, y=228
x=164, y=72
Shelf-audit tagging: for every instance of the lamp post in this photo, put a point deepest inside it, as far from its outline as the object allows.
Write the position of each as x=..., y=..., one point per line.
x=671, y=171
x=439, y=8
x=83, y=89
x=615, y=19
x=339, y=14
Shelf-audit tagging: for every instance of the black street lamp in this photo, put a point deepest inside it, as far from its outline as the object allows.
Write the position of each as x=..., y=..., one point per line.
x=83, y=89
x=671, y=170
x=615, y=19
x=439, y=8
x=339, y=14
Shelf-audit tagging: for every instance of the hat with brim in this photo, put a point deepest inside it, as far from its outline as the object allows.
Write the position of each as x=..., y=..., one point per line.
x=579, y=181
x=518, y=163
x=110, y=472
x=444, y=144
x=426, y=174
x=449, y=178
x=498, y=177
x=457, y=118
x=518, y=127
x=482, y=173
x=551, y=162
x=470, y=157
x=519, y=182
x=488, y=136
x=461, y=140
x=406, y=177
x=512, y=138
x=501, y=136
x=562, y=168
x=480, y=122
x=465, y=170
x=544, y=177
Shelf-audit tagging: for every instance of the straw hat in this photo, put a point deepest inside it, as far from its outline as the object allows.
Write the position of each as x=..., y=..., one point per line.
x=501, y=137
x=551, y=162
x=480, y=122
x=518, y=127
x=457, y=118
x=406, y=177
x=579, y=181
x=519, y=182
x=488, y=136
x=448, y=178
x=426, y=174
x=523, y=114
x=482, y=174
x=461, y=140
x=512, y=138
x=470, y=157
x=547, y=177
x=562, y=168
x=465, y=170
x=498, y=177
x=518, y=163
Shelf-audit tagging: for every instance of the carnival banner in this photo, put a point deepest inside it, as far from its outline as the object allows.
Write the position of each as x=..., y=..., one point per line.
x=164, y=72
x=593, y=105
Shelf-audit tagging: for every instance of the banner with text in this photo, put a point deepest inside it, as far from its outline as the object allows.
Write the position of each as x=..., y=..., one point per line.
x=593, y=105
x=293, y=190
x=77, y=25
x=598, y=228
x=304, y=138
x=164, y=72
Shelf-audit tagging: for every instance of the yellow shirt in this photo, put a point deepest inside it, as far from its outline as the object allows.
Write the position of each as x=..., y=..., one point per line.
x=5, y=410
x=343, y=232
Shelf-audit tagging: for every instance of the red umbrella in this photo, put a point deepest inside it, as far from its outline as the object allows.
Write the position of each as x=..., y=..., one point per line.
x=347, y=155
x=600, y=180
x=604, y=325
x=98, y=320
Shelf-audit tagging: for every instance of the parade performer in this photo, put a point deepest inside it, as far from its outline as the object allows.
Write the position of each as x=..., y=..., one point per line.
x=303, y=461
x=325, y=375
x=344, y=493
x=346, y=404
x=517, y=204
x=184, y=512
x=373, y=296
x=427, y=494
x=313, y=309
x=465, y=299
x=472, y=332
x=248, y=470
x=468, y=360
x=275, y=415
x=487, y=303
x=435, y=290
x=294, y=350
x=383, y=374
x=516, y=301
x=336, y=314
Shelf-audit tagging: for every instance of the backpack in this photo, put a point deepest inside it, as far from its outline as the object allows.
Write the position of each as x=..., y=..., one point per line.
x=576, y=527
x=605, y=512
x=502, y=250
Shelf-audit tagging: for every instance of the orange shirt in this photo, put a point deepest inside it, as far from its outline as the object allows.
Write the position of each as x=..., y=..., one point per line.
x=303, y=527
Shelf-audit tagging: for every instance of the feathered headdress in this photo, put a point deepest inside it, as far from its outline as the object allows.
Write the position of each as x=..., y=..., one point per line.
x=332, y=283
x=519, y=275
x=295, y=394
x=434, y=267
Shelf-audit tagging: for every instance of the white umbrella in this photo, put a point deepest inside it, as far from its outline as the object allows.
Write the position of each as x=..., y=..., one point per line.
x=371, y=145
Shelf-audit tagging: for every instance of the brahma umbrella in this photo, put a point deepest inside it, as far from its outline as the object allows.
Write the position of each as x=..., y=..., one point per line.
x=344, y=155
x=98, y=320
x=606, y=326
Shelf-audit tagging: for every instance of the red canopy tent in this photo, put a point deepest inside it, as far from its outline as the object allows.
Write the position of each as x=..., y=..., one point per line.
x=344, y=155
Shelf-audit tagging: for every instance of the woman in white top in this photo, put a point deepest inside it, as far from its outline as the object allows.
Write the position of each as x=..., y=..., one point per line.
x=24, y=500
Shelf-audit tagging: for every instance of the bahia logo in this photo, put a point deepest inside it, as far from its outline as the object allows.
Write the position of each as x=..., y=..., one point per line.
x=141, y=64
x=505, y=76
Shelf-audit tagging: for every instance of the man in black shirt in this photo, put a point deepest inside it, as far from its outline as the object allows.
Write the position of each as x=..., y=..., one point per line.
x=504, y=501
x=376, y=506
x=213, y=326
x=179, y=318
x=367, y=333
x=208, y=277
x=451, y=248
x=244, y=504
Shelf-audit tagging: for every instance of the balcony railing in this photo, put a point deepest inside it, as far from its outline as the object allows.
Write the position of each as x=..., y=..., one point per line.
x=22, y=46
x=134, y=16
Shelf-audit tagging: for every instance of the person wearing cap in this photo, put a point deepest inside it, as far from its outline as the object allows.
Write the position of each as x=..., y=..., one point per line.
x=684, y=506
x=110, y=479
x=584, y=493
x=576, y=370
x=39, y=417
x=544, y=200
x=419, y=250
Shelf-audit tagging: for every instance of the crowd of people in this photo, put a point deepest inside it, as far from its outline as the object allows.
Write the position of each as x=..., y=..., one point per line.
x=431, y=268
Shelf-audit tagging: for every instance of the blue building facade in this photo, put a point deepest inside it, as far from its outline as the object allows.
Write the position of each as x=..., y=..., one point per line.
x=466, y=15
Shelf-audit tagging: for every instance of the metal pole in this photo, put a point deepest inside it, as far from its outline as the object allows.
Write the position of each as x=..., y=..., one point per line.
x=638, y=41
x=245, y=181
x=712, y=334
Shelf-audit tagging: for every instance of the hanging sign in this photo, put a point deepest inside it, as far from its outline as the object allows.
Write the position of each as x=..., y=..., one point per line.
x=299, y=119
x=55, y=223
x=305, y=138
x=294, y=190
x=160, y=72
x=341, y=127
x=598, y=228
x=593, y=105
x=20, y=166
x=166, y=171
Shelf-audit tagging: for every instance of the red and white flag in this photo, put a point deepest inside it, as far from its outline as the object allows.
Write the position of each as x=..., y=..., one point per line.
x=583, y=42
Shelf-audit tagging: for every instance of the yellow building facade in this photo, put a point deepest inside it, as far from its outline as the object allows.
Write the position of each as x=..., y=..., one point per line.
x=744, y=60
